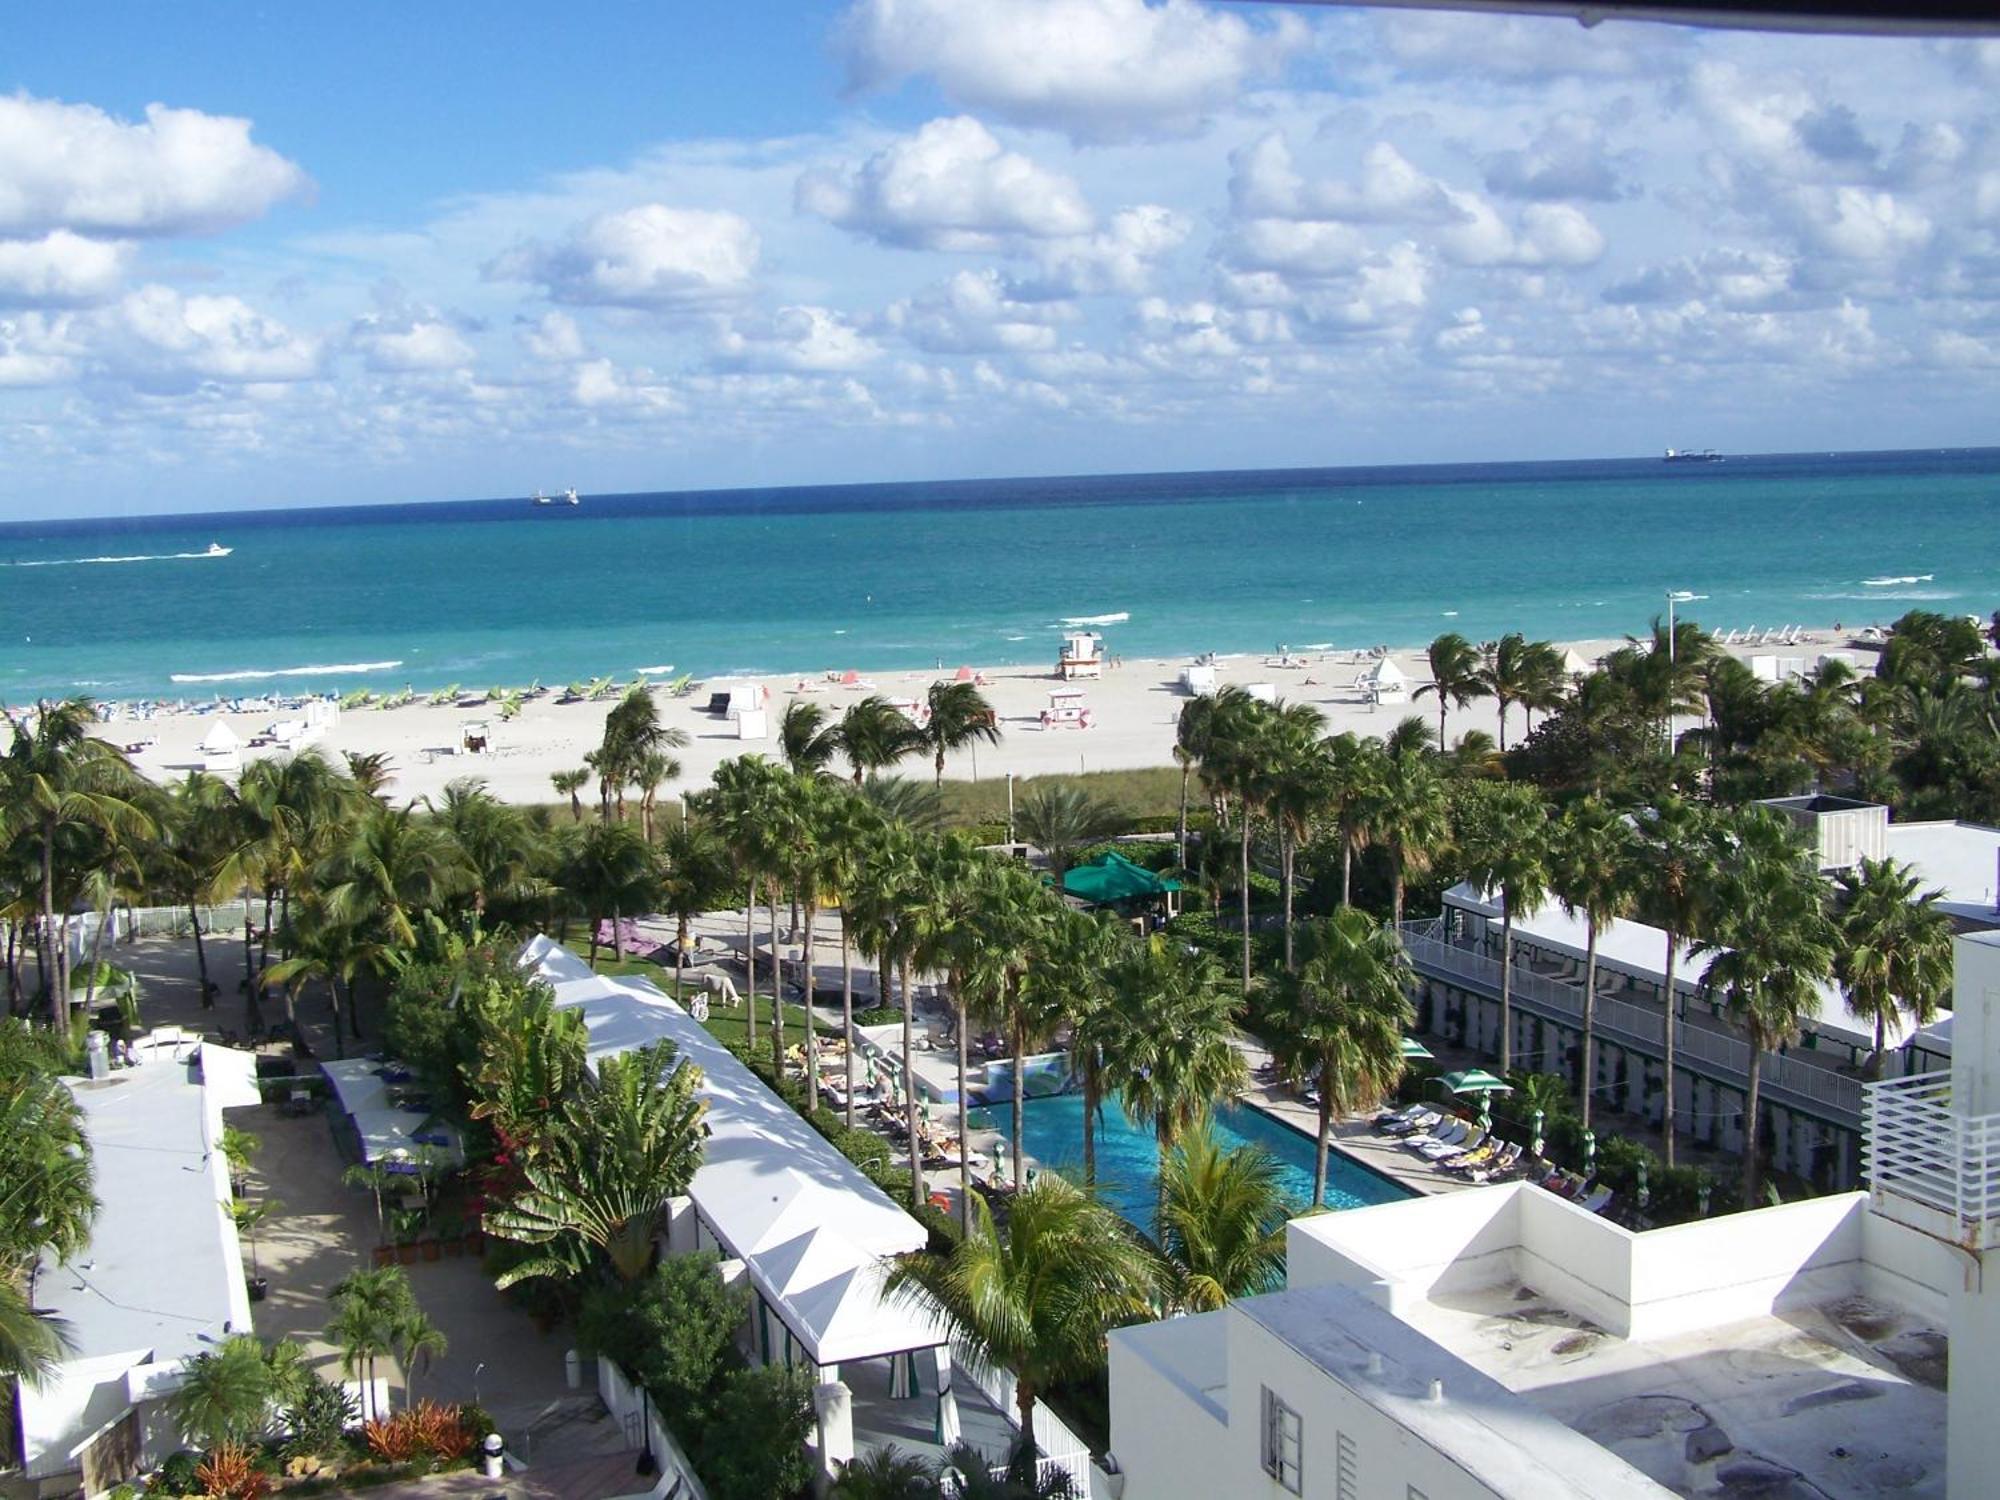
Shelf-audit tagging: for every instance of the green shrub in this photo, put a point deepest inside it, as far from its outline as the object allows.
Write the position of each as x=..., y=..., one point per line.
x=752, y=1445
x=672, y=1331
x=176, y=1476
x=319, y=1417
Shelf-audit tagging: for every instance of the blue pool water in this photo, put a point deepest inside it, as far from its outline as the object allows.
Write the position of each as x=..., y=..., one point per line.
x=1128, y=1163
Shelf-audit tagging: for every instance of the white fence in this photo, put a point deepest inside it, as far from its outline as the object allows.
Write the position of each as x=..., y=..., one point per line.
x=628, y=1405
x=127, y=926
x=1060, y=1448
x=1920, y=1148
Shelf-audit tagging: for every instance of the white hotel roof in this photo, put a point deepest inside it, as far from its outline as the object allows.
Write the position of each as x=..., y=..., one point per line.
x=1962, y=859
x=809, y=1225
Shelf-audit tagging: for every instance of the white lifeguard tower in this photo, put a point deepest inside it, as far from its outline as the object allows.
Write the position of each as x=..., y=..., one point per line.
x=1199, y=679
x=1066, y=710
x=1384, y=683
x=1082, y=656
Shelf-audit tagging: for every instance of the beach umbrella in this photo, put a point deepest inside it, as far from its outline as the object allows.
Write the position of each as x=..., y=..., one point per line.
x=1475, y=1081
x=1535, y=1146
x=964, y=674
x=1414, y=1050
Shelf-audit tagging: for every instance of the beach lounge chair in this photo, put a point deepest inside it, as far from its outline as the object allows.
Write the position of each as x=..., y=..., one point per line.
x=1449, y=1134
x=1384, y=1119
x=1419, y=1123
x=1440, y=1151
x=1501, y=1164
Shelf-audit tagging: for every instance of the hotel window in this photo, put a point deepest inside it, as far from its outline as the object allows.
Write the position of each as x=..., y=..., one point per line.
x=1281, y=1443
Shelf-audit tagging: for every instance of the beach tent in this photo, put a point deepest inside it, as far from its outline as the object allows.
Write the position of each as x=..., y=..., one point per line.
x=1384, y=682
x=221, y=750
x=1573, y=663
x=963, y=674
x=1115, y=879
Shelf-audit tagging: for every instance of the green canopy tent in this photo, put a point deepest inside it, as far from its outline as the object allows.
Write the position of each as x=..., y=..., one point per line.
x=1115, y=880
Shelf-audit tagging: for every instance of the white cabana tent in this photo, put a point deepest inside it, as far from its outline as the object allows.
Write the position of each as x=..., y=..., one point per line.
x=220, y=749
x=1573, y=664
x=1384, y=682
x=813, y=1233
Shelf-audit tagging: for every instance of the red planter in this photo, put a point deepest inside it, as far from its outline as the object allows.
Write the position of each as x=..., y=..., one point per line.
x=431, y=1248
x=385, y=1255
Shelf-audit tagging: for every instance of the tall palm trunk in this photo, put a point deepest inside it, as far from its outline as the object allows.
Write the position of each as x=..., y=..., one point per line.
x=96, y=957
x=1324, y=1142
x=1024, y=1412
x=910, y=1112
x=1346, y=868
x=847, y=1009
x=1587, y=1089
x=812, y=1028
x=200, y=953
x=777, y=983
x=1243, y=876
x=1287, y=859
x=1396, y=887
x=339, y=1039
x=750, y=960
x=1090, y=1087
x=1014, y=1132
x=1506, y=985
x=964, y=1151
x=1752, y=1136
x=1180, y=828
x=1667, y=1035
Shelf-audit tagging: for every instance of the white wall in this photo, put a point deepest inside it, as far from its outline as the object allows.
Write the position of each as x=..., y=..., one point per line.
x=1738, y=1266
x=1396, y=1252
x=1170, y=1441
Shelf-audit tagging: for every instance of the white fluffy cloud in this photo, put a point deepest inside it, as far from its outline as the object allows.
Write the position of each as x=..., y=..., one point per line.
x=72, y=166
x=972, y=313
x=648, y=256
x=155, y=333
x=61, y=269
x=810, y=339
x=1568, y=158
x=410, y=343
x=1102, y=70
x=951, y=186
x=554, y=338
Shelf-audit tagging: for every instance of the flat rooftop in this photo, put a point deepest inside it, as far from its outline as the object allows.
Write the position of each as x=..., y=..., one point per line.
x=1841, y=1397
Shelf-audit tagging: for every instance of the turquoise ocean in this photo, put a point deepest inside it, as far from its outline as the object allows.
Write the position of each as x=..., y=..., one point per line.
x=876, y=577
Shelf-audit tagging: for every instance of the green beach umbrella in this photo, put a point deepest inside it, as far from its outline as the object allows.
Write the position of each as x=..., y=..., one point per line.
x=1475, y=1081
x=1414, y=1050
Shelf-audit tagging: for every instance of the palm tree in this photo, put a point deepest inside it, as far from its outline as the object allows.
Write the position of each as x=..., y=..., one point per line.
x=614, y=1156
x=1509, y=675
x=1038, y=1298
x=1781, y=946
x=495, y=845
x=571, y=785
x=1895, y=949
x=880, y=904
x=1352, y=792
x=370, y=1310
x=1223, y=1221
x=1411, y=814
x=1061, y=819
x=843, y=833
x=632, y=733
x=1239, y=765
x=1341, y=1028
x=1503, y=847
x=1457, y=676
x=651, y=770
x=1190, y=750
x=57, y=778
x=959, y=716
x=1592, y=872
x=694, y=875
x=1677, y=873
x=875, y=734
x=807, y=743
x=900, y=799
x=228, y=1394
x=1545, y=686
x=32, y=1344
x=1295, y=792
x=610, y=872
x=1175, y=1056
x=368, y=770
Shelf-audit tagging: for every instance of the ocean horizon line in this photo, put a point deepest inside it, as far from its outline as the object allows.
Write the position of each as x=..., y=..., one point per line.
x=898, y=493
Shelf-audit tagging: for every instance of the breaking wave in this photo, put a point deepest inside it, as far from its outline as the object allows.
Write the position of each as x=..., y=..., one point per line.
x=253, y=674
x=1113, y=619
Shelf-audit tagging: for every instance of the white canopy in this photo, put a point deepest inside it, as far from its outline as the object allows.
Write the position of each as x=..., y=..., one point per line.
x=371, y=1094
x=1573, y=663
x=220, y=739
x=1384, y=673
x=812, y=1231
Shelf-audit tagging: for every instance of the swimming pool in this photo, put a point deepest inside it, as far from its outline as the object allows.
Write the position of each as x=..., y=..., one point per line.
x=1128, y=1162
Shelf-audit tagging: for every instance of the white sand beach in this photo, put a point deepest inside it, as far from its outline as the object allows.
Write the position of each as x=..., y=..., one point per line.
x=1134, y=709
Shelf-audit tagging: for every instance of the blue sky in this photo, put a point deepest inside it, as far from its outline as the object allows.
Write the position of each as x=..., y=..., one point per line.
x=267, y=255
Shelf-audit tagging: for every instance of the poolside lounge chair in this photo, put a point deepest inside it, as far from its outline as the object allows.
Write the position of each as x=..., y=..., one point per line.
x=1388, y=1118
x=1467, y=1143
x=1449, y=1134
x=1502, y=1163
x=1415, y=1124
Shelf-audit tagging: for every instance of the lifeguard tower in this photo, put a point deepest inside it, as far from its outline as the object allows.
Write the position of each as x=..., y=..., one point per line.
x=1082, y=656
x=1066, y=710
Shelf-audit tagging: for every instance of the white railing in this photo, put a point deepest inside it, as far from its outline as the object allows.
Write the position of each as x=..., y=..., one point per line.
x=1056, y=1444
x=1920, y=1149
x=1626, y=1022
x=151, y=921
x=623, y=1400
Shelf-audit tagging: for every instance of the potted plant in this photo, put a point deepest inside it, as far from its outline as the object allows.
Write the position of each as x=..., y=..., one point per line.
x=248, y=1216
x=409, y=1224
x=450, y=1230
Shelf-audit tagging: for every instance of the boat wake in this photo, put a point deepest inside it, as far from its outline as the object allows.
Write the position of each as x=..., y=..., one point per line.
x=1114, y=619
x=1889, y=583
x=78, y=562
x=655, y=671
x=253, y=674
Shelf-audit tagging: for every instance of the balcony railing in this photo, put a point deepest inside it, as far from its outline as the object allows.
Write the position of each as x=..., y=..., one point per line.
x=1699, y=1049
x=1928, y=1165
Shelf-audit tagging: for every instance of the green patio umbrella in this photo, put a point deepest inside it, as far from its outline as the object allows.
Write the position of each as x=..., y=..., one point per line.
x=1414, y=1050
x=1475, y=1081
